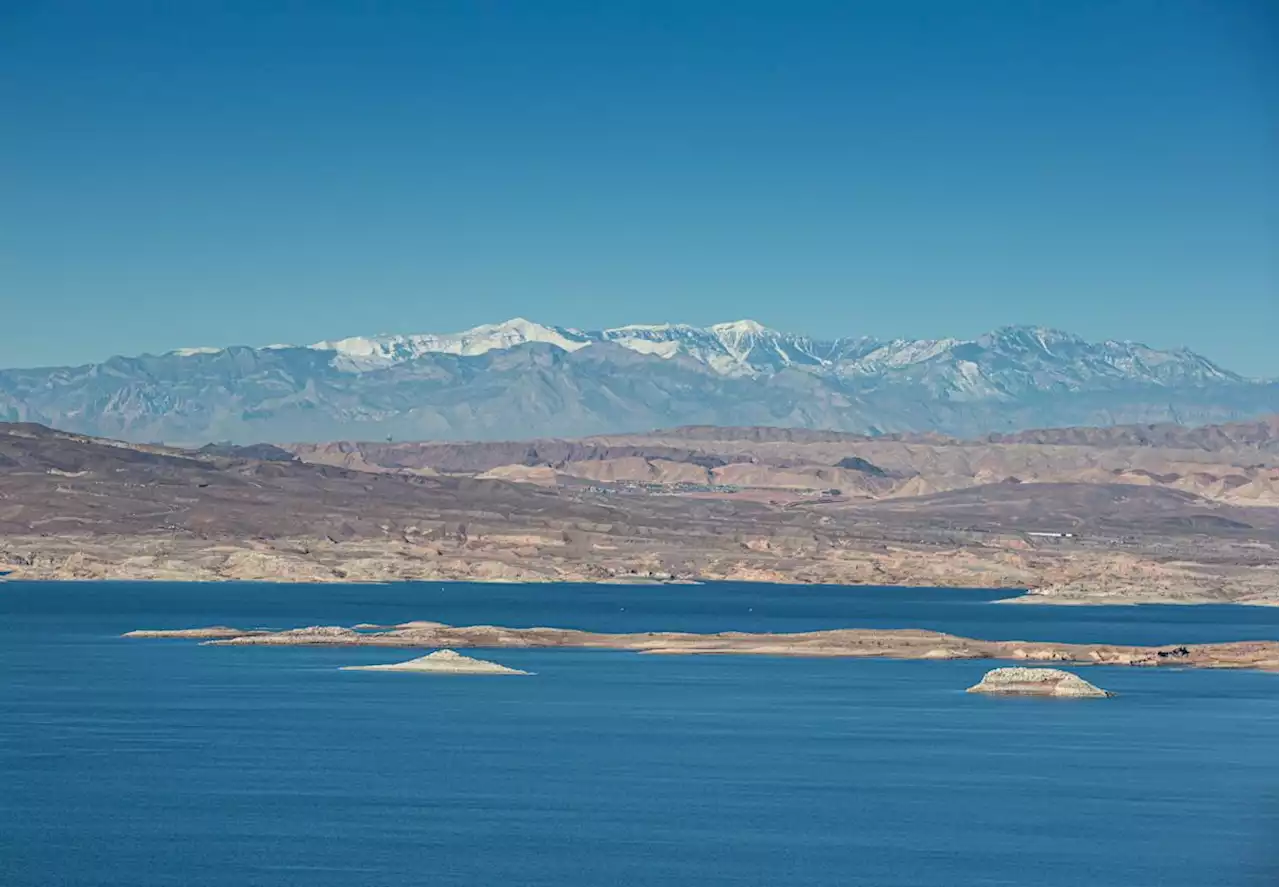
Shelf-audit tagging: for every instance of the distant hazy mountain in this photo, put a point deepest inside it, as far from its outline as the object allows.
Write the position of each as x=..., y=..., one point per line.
x=520, y=379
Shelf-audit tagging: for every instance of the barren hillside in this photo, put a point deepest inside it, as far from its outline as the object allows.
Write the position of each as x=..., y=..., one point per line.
x=1228, y=463
x=79, y=507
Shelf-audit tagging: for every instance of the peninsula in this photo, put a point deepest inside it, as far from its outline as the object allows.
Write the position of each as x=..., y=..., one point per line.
x=849, y=642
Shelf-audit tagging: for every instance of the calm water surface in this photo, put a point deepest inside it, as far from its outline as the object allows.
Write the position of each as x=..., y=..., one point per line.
x=169, y=763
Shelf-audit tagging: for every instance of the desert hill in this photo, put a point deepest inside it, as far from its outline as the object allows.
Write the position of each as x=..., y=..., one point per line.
x=896, y=513
x=1234, y=463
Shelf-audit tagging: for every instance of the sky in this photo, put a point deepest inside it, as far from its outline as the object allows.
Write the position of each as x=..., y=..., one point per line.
x=214, y=173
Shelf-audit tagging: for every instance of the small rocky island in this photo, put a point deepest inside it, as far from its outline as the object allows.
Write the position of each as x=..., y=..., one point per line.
x=441, y=662
x=1037, y=682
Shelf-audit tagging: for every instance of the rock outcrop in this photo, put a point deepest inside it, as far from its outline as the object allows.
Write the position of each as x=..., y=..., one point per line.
x=296, y=637
x=1037, y=682
x=441, y=662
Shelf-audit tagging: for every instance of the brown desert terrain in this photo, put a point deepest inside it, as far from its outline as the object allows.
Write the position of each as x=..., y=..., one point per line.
x=1138, y=514
x=1233, y=463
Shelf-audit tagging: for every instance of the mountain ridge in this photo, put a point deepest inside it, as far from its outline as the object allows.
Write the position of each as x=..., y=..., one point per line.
x=522, y=379
x=736, y=340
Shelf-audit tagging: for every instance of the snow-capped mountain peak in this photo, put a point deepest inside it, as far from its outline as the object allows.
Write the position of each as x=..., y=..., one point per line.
x=742, y=373
x=997, y=364
x=739, y=337
x=359, y=353
x=739, y=328
x=649, y=328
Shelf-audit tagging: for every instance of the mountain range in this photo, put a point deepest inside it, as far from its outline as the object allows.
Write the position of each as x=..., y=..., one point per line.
x=521, y=379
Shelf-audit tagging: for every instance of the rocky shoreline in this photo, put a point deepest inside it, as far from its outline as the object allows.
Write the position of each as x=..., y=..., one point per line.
x=956, y=520
x=1082, y=578
x=853, y=642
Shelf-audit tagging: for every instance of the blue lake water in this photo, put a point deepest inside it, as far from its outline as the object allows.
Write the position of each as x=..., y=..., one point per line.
x=147, y=763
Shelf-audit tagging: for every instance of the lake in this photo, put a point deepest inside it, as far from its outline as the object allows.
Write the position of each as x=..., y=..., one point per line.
x=147, y=763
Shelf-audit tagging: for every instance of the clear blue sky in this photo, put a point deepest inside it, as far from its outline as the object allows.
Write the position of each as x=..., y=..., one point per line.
x=201, y=173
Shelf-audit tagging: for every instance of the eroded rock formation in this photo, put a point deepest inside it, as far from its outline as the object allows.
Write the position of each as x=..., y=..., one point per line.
x=1037, y=682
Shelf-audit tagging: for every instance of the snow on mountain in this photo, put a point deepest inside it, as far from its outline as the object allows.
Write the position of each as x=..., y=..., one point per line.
x=739, y=337
x=1004, y=363
x=719, y=347
x=900, y=353
x=519, y=379
x=1012, y=362
x=359, y=353
x=737, y=348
